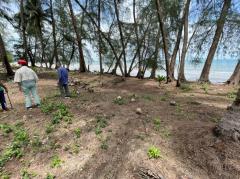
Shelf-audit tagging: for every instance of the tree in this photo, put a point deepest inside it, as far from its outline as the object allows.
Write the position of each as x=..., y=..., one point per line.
x=3, y=57
x=220, y=24
x=235, y=77
x=78, y=38
x=181, y=76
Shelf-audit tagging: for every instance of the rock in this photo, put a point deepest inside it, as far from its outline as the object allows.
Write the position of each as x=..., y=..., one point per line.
x=139, y=111
x=173, y=103
x=24, y=117
x=133, y=99
x=119, y=98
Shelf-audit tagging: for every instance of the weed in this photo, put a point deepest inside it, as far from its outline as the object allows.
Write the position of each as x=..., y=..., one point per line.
x=98, y=130
x=27, y=175
x=148, y=97
x=4, y=175
x=166, y=132
x=157, y=123
x=6, y=128
x=77, y=132
x=47, y=107
x=75, y=149
x=205, y=87
x=50, y=176
x=101, y=123
x=36, y=142
x=232, y=95
x=119, y=100
x=104, y=144
x=160, y=79
x=49, y=128
x=154, y=152
x=185, y=87
x=56, y=162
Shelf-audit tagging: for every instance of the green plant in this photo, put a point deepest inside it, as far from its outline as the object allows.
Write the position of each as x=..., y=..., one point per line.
x=205, y=87
x=166, y=132
x=157, y=123
x=36, y=142
x=119, y=100
x=160, y=79
x=154, y=152
x=49, y=128
x=75, y=149
x=185, y=87
x=98, y=130
x=77, y=132
x=232, y=95
x=56, y=162
x=47, y=107
x=50, y=176
x=101, y=123
x=6, y=128
x=104, y=144
x=4, y=175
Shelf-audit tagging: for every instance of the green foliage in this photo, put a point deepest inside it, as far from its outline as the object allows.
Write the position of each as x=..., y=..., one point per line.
x=154, y=152
x=148, y=97
x=56, y=162
x=49, y=128
x=104, y=144
x=4, y=175
x=205, y=87
x=27, y=175
x=50, y=176
x=47, y=107
x=36, y=142
x=6, y=128
x=77, y=132
x=21, y=139
x=119, y=100
x=232, y=95
x=157, y=123
x=101, y=123
x=160, y=79
x=185, y=87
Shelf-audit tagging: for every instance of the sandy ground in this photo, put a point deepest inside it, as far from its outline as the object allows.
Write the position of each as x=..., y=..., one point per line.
x=184, y=136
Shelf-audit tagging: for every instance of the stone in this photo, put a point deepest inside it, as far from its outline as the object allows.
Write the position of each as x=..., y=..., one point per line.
x=119, y=98
x=133, y=99
x=139, y=111
x=173, y=103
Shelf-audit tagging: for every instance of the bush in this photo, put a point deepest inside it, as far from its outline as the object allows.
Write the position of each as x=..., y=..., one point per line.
x=160, y=79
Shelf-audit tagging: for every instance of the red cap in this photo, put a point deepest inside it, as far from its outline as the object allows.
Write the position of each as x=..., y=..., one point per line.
x=22, y=61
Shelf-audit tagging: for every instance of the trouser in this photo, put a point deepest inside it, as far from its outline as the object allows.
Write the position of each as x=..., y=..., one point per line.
x=29, y=88
x=64, y=90
x=2, y=100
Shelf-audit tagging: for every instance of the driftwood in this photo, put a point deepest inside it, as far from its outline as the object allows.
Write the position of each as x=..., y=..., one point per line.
x=145, y=173
x=229, y=126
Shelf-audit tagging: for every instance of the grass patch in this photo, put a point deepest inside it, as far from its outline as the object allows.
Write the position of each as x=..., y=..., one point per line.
x=56, y=162
x=148, y=97
x=50, y=176
x=6, y=129
x=27, y=175
x=185, y=87
x=154, y=152
x=205, y=87
x=77, y=132
x=157, y=124
x=119, y=100
x=232, y=95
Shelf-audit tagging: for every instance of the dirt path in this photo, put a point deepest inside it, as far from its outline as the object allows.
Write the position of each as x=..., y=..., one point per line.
x=118, y=148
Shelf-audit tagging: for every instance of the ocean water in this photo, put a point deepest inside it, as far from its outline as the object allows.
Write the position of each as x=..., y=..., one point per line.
x=221, y=70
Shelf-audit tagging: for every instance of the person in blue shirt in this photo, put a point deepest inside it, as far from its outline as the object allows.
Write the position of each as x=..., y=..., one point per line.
x=63, y=81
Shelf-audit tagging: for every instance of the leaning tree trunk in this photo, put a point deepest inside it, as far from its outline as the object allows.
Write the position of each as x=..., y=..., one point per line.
x=181, y=75
x=3, y=57
x=78, y=36
x=121, y=37
x=235, y=78
x=54, y=34
x=164, y=37
x=220, y=24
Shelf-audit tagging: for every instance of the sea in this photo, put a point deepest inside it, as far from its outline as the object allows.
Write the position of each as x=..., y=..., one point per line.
x=221, y=70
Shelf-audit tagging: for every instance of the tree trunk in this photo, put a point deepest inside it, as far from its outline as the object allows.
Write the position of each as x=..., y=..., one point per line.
x=235, y=78
x=237, y=100
x=181, y=76
x=121, y=37
x=164, y=37
x=54, y=34
x=220, y=24
x=79, y=41
x=157, y=47
x=3, y=57
x=99, y=37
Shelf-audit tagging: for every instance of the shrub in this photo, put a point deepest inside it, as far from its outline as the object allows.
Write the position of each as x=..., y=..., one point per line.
x=160, y=79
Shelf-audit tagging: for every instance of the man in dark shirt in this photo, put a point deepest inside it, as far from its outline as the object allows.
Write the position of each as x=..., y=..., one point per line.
x=63, y=81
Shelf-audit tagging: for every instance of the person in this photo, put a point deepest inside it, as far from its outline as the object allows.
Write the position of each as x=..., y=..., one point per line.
x=2, y=97
x=27, y=82
x=63, y=81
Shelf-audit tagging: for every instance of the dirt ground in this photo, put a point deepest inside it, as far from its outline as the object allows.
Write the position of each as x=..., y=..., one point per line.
x=183, y=134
